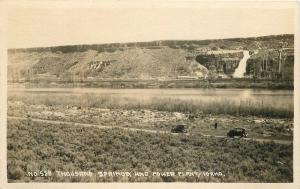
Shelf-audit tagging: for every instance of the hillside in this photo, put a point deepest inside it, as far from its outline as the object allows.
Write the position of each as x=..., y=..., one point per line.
x=149, y=60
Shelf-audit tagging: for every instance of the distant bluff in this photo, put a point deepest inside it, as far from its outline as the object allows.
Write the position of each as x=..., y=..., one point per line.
x=148, y=60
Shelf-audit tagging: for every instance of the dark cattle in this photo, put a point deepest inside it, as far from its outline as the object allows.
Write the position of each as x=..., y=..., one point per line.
x=179, y=129
x=240, y=132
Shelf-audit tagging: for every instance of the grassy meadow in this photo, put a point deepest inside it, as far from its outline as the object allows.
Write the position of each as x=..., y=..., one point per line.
x=64, y=148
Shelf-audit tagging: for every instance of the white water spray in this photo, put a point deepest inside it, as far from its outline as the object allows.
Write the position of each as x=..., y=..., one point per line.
x=241, y=69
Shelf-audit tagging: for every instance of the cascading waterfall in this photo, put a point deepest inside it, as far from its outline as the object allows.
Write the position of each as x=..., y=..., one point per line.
x=241, y=69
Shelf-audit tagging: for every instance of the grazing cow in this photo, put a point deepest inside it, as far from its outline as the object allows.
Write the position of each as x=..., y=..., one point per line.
x=179, y=129
x=240, y=132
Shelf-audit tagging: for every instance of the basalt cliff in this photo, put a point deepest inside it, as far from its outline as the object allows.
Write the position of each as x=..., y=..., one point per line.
x=271, y=58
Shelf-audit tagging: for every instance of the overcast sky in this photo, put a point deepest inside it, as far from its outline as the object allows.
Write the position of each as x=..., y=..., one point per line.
x=51, y=27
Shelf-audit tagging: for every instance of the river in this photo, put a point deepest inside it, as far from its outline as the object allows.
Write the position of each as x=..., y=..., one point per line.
x=275, y=98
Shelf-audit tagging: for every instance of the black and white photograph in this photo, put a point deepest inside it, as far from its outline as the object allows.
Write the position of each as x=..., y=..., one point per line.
x=151, y=94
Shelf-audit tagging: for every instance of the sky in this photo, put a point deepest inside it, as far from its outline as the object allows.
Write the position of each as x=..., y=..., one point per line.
x=41, y=27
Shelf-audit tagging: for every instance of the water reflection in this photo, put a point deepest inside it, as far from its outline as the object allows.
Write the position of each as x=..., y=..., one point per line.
x=274, y=98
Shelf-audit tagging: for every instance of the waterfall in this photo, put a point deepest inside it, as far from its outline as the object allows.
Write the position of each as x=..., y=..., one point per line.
x=241, y=69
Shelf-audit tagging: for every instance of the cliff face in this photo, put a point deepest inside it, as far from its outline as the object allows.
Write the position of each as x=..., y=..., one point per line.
x=271, y=64
x=220, y=62
x=151, y=60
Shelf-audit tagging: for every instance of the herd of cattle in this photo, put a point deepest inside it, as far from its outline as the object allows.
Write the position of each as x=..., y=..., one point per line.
x=235, y=132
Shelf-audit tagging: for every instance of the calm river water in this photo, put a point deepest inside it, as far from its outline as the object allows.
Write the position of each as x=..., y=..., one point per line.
x=278, y=98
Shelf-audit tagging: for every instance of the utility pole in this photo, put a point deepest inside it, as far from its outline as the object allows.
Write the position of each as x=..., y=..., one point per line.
x=279, y=61
x=267, y=60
